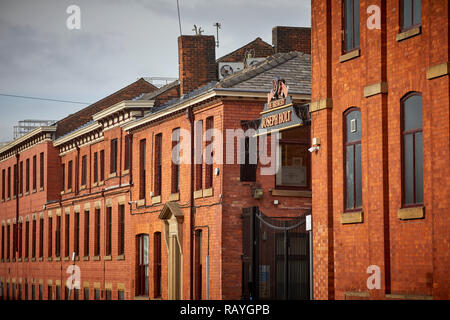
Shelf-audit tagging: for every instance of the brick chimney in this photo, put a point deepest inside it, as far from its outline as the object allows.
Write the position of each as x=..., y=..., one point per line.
x=286, y=39
x=197, y=61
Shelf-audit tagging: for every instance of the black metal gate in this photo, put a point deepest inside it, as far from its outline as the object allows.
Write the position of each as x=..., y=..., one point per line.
x=276, y=257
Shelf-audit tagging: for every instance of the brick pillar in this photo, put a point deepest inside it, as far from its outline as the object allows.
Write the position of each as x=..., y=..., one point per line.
x=197, y=61
x=286, y=39
x=375, y=151
x=322, y=175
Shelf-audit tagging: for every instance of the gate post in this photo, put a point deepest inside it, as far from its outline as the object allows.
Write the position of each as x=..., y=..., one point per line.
x=286, y=266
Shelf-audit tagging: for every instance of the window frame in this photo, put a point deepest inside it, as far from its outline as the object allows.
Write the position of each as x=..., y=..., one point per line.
x=41, y=170
x=97, y=231
x=401, y=17
x=198, y=155
x=128, y=146
x=345, y=145
x=86, y=232
x=142, y=168
x=121, y=230
x=113, y=156
x=403, y=133
x=175, y=167
x=69, y=175
x=209, y=168
x=299, y=142
x=50, y=237
x=157, y=189
x=84, y=170
x=41, y=237
x=27, y=181
x=3, y=184
x=67, y=235
x=76, y=233
x=95, y=164
x=102, y=165
x=344, y=28
x=34, y=173
x=108, y=230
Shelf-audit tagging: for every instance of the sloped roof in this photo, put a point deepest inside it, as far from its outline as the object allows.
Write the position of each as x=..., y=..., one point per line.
x=83, y=116
x=261, y=49
x=294, y=67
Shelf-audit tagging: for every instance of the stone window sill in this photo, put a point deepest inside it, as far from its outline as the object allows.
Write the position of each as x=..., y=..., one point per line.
x=350, y=55
x=292, y=193
x=113, y=175
x=49, y=259
x=83, y=187
x=198, y=194
x=107, y=258
x=156, y=199
x=174, y=197
x=58, y=259
x=140, y=203
x=101, y=183
x=411, y=213
x=207, y=192
x=124, y=172
x=352, y=217
x=86, y=258
x=41, y=189
x=66, y=258
x=96, y=258
x=120, y=257
x=408, y=34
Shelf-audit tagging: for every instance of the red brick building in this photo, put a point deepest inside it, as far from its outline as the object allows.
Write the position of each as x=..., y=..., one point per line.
x=380, y=107
x=140, y=225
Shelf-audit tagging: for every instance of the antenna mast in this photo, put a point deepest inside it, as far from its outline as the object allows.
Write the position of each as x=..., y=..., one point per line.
x=179, y=19
x=217, y=25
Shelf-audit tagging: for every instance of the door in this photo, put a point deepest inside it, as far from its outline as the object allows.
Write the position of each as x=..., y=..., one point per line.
x=142, y=265
x=276, y=257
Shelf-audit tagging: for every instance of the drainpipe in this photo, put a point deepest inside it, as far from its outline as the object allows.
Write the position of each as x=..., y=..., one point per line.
x=190, y=116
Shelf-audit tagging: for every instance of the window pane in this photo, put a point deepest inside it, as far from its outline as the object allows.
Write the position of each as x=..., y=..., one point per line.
x=348, y=24
x=358, y=176
x=419, y=167
x=353, y=123
x=417, y=11
x=349, y=177
x=356, y=23
x=409, y=170
x=407, y=13
x=294, y=163
x=413, y=113
x=146, y=249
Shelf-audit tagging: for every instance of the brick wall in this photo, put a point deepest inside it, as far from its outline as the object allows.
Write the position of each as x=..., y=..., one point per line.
x=411, y=254
x=286, y=39
x=197, y=61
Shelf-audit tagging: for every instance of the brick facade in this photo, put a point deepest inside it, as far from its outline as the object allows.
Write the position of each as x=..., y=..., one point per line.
x=412, y=254
x=216, y=210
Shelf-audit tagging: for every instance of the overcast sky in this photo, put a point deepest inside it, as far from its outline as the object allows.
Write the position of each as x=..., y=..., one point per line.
x=119, y=42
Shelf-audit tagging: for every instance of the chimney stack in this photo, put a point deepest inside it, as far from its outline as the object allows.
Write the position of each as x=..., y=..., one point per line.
x=286, y=39
x=197, y=62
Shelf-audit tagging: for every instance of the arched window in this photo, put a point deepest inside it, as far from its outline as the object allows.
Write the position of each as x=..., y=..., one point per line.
x=352, y=159
x=412, y=149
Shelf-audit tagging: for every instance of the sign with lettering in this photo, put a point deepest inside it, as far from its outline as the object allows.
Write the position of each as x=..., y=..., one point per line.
x=279, y=112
